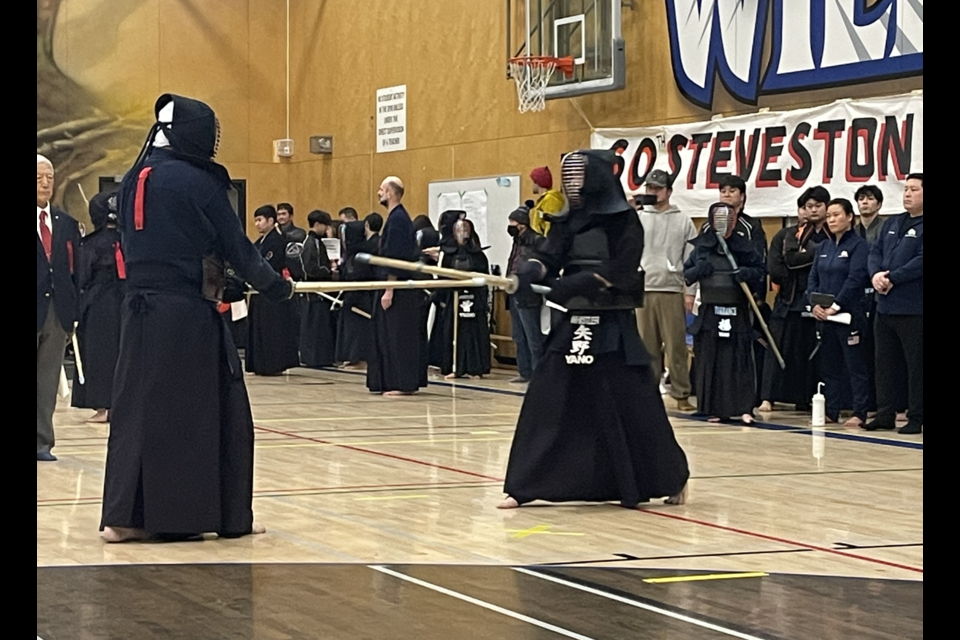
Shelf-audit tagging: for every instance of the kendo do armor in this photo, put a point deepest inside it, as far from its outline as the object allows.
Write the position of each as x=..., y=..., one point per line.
x=593, y=193
x=721, y=287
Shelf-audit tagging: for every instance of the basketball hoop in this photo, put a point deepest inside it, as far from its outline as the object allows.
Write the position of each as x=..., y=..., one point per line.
x=532, y=75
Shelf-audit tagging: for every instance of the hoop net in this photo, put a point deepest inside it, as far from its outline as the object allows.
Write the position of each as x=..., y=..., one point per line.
x=532, y=75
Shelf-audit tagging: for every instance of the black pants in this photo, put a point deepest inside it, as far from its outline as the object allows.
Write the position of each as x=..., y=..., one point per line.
x=899, y=339
x=842, y=363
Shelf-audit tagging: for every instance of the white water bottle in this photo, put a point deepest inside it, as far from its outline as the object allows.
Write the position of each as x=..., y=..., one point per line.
x=819, y=408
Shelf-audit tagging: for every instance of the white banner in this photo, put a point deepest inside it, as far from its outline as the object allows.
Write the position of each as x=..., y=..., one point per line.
x=392, y=119
x=841, y=146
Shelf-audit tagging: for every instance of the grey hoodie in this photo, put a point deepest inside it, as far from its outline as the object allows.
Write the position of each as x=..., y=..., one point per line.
x=665, y=248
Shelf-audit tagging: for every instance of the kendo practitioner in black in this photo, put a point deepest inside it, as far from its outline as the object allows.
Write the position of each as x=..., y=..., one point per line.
x=397, y=366
x=441, y=333
x=792, y=326
x=723, y=334
x=317, y=322
x=272, y=331
x=593, y=426
x=355, y=322
x=101, y=275
x=466, y=324
x=180, y=453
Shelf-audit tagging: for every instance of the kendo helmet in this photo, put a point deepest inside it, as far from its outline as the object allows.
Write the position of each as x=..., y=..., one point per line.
x=590, y=182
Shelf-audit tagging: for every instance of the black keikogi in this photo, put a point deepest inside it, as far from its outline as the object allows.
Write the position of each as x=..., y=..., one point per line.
x=100, y=276
x=354, y=329
x=318, y=326
x=725, y=373
x=593, y=425
x=180, y=453
x=462, y=320
x=789, y=260
x=272, y=327
x=397, y=360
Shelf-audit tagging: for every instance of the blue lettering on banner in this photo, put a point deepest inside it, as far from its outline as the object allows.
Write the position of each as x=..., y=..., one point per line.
x=816, y=43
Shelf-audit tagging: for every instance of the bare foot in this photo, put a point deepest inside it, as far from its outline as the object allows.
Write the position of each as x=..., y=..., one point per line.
x=450, y=376
x=100, y=417
x=257, y=528
x=713, y=419
x=122, y=534
x=680, y=498
x=853, y=423
x=766, y=406
x=399, y=394
x=746, y=418
x=508, y=503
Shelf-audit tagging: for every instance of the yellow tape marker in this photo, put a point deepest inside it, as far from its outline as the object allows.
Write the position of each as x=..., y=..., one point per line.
x=540, y=529
x=708, y=576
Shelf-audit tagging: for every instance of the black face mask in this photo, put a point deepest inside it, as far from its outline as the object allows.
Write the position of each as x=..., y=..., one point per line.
x=513, y=230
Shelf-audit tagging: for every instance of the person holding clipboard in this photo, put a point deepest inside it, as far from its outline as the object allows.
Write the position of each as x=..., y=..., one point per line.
x=837, y=282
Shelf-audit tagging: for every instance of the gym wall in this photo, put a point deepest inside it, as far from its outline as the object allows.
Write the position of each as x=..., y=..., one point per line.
x=115, y=57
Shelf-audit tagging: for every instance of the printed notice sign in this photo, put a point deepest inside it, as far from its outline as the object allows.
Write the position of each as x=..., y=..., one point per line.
x=392, y=119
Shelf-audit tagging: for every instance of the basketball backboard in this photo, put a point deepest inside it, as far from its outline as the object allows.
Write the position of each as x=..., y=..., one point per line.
x=586, y=30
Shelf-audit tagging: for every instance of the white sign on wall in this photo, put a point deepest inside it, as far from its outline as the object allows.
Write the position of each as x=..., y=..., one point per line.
x=392, y=119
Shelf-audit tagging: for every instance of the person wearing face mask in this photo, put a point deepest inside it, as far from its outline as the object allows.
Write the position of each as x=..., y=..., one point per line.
x=789, y=261
x=180, y=453
x=466, y=328
x=101, y=274
x=725, y=375
x=593, y=426
x=838, y=280
x=524, y=305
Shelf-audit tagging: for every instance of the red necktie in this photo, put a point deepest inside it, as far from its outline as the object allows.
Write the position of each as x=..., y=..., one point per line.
x=46, y=238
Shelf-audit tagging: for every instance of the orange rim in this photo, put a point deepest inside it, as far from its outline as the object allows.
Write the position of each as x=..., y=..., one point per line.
x=563, y=64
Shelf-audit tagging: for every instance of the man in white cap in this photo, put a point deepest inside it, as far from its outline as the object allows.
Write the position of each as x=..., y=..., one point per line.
x=58, y=238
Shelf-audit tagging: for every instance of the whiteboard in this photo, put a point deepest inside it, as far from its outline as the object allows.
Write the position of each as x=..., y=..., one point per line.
x=488, y=201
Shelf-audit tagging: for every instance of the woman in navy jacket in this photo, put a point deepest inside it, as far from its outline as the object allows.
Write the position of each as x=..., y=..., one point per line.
x=840, y=271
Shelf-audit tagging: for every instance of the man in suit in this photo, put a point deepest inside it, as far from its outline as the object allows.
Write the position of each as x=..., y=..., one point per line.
x=58, y=237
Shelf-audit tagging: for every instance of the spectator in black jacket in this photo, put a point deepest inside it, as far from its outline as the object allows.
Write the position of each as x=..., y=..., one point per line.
x=58, y=240
x=524, y=306
x=896, y=264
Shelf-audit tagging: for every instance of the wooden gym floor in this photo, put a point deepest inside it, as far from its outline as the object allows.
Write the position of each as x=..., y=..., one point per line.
x=382, y=523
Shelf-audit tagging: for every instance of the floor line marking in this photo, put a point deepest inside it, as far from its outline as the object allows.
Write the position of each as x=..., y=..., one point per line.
x=415, y=496
x=794, y=543
x=768, y=426
x=382, y=454
x=706, y=576
x=308, y=491
x=480, y=603
x=640, y=605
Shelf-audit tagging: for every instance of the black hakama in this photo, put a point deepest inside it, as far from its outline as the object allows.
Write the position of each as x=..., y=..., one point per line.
x=595, y=431
x=271, y=342
x=469, y=317
x=180, y=458
x=396, y=360
x=317, y=331
x=725, y=374
x=353, y=328
x=796, y=336
x=98, y=331
x=440, y=346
